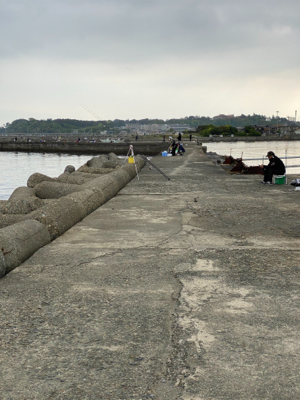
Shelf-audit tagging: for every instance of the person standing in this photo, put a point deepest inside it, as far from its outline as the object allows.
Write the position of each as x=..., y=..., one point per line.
x=179, y=137
x=275, y=167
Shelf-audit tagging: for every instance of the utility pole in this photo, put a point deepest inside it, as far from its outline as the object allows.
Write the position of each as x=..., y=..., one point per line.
x=277, y=120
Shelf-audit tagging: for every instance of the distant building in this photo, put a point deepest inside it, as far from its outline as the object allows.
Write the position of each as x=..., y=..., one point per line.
x=133, y=126
x=145, y=127
x=163, y=127
x=154, y=127
x=180, y=127
x=260, y=128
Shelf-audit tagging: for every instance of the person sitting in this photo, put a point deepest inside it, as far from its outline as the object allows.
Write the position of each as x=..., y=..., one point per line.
x=275, y=167
x=181, y=149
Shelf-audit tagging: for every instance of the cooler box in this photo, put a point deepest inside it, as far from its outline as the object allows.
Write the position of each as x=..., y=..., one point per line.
x=279, y=179
x=164, y=153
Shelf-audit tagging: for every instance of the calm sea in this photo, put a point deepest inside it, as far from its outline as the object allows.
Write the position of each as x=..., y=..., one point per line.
x=16, y=167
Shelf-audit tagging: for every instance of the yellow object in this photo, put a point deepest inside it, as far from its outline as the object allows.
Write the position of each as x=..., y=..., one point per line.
x=131, y=160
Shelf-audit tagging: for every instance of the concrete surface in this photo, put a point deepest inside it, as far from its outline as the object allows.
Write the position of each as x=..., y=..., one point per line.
x=185, y=289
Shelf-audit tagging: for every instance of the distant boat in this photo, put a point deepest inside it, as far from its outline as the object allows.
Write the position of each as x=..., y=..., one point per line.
x=109, y=140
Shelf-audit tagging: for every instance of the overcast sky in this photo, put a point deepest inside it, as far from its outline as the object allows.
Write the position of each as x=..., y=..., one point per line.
x=138, y=59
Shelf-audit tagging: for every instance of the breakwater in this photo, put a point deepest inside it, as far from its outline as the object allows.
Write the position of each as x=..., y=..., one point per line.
x=72, y=147
x=175, y=289
x=35, y=215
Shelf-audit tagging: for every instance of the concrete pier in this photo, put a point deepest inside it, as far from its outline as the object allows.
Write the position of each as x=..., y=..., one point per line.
x=71, y=147
x=185, y=289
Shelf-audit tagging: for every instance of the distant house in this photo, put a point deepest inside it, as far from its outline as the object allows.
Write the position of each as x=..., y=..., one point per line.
x=180, y=127
x=269, y=130
x=260, y=128
x=133, y=126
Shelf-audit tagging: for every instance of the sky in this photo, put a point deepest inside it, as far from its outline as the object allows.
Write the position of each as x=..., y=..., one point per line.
x=134, y=59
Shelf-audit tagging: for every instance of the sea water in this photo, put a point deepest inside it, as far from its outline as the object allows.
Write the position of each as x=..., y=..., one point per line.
x=16, y=167
x=254, y=153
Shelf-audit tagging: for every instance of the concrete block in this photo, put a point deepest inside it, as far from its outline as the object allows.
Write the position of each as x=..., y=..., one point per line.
x=19, y=241
x=112, y=157
x=76, y=178
x=69, y=169
x=89, y=199
x=107, y=182
x=92, y=170
x=2, y=265
x=109, y=164
x=59, y=216
x=21, y=206
x=121, y=176
x=97, y=162
x=21, y=193
x=36, y=178
x=54, y=190
x=9, y=219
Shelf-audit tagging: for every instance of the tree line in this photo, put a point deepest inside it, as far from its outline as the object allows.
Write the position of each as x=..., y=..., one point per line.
x=225, y=130
x=58, y=126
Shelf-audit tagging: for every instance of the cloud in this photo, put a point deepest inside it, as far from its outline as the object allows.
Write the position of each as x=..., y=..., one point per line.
x=144, y=55
x=128, y=30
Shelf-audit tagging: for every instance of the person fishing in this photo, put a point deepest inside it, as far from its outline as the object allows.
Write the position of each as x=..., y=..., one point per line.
x=275, y=167
x=181, y=149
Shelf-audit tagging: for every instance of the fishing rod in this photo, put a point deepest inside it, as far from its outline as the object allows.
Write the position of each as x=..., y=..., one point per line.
x=91, y=112
x=154, y=166
x=97, y=118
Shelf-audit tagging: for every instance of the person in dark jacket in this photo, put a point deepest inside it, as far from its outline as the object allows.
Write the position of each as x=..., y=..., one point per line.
x=174, y=147
x=181, y=149
x=275, y=167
